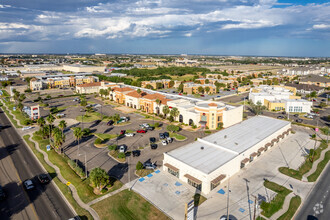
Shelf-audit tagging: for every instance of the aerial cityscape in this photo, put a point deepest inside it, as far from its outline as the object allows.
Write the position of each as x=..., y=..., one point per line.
x=159, y=109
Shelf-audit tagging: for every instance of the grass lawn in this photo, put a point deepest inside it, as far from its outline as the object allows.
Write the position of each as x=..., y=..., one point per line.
x=306, y=166
x=143, y=172
x=268, y=209
x=105, y=136
x=184, y=77
x=127, y=205
x=320, y=166
x=294, y=205
x=260, y=218
x=178, y=137
x=11, y=118
x=89, y=117
x=85, y=191
x=61, y=108
x=83, y=214
x=5, y=93
x=114, y=154
x=198, y=199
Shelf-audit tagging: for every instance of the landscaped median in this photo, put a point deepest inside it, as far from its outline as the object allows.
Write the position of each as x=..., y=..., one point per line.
x=127, y=205
x=320, y=166
x=102, y=138
x=294, y=205
x=270, y=208
x=83, y=187
x=177, y=136
x=306, y=166
x=11, y=118
x=91, y=116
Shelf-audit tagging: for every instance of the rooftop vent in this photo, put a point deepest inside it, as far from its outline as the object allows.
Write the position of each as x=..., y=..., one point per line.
x=215, y=142
x=236, y=143
x=202, y=148
x=225, y=136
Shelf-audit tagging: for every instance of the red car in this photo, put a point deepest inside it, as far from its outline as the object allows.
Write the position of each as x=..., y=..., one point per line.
x=140, y=131
x=122, y=132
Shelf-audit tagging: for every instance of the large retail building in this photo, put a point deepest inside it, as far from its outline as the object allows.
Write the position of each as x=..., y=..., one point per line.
x=209, y=161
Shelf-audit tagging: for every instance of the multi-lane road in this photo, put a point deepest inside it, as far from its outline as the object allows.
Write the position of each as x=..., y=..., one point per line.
x=17, y=164
x=317, y=204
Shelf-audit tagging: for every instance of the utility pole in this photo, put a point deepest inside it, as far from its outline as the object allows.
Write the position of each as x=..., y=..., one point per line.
x=129, y=176
x=228, y=191
x=85, y=166
x=255, y=207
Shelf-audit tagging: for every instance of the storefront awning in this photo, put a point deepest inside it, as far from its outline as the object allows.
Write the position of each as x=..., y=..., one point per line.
x=193, y=179
x=268, y=145
x=246, y=160
x=218, y=179
x=253, y=154
x=261, y=149
x=274, y=140
x=171, y=167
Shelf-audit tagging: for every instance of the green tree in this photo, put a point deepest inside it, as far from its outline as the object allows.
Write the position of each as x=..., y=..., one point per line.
x=149, y=86
x=83, y=102
x=77, y=132
x=116, y=117
x=21, y=97
x=207, y=89
x=41, y=122
x=166, y=110
x=180, y=88
x=99, y=178
x=138, y=91
x=159, y=85
x=20, y=106
x=173, y=128
x=50, y=119
x=200, y=89
x=207, y=81
x=323, y=105
x=171, y=84
x=313, y=94
x=158, y=101
x=258, y=108
x=175, y=112
x=139, y=165
x=62, y=125
x=48, y=97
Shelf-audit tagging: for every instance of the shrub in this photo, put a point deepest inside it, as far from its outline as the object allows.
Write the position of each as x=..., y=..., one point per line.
x=156, y=125
x=173, y=128
x=86, y=131
x=104, y=190
x=139, y=166
x=28, y=90
x=121, y=155
x=98, y=141
x=161, y=115
x=112, y=147
x=27, y=122
x=171, y=118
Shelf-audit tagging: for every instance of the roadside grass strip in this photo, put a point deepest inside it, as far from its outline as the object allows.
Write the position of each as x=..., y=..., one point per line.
x=294, y=205
x=306, y=166
x=320, y=167
x=270, y=208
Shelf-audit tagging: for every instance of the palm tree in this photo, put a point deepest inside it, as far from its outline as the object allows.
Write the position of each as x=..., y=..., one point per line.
x=207, y=89
x=62, y=125
x=41, y=122
x=50, y=119
x=77, y=132
x=158, y=103
x=166, y=110
x=175, y=112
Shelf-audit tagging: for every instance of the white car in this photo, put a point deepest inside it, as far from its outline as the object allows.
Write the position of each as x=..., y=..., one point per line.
x=146, y=125
x=169, y=140
x=28, y=184
x=122, y=149
x=309, y=116
x=129, y=134
x=26, y=128
x=164, y=142
x=97, y=106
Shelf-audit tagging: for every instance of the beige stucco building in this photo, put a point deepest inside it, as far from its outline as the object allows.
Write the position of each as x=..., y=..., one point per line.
x=83, y=68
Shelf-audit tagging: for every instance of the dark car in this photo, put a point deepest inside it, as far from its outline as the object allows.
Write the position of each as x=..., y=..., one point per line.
x=2, y=194
x=153, y=146
x=122, y=132
x=161, y=135
x=152, y=140
x=202, y=95
x=141, y=131
x=136, y=153
x=149, y=166
x=280, y=117
x=110, y=122
x=296, y=115
x=43, y=178
x=299, y=120
x=166, y=134
x=150, y=128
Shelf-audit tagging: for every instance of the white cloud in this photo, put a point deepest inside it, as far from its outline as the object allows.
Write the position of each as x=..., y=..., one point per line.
x=321, y=26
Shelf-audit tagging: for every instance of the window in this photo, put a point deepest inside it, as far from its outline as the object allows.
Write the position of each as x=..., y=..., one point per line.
x=174, y=173
x=212, y=114
x=196, y=185
x=219, y=118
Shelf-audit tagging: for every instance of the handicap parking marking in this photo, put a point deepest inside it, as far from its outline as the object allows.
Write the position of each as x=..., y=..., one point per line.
x=178, y=184
x=250, y=201
x=221, y=191
x=177, y=192
x=241, y=210
x=141, y=179
x=157, y=171
x=149, y=175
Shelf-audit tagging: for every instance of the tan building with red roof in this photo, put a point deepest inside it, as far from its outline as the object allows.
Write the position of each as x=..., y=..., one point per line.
x=149, y=103
x=94, y=87
x=119, y=94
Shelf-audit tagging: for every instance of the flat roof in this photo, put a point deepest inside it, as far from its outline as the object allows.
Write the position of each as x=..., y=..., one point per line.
x=211, y=152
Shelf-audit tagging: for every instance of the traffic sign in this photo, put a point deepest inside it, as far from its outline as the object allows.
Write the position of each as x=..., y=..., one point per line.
x=48, y=147
x=68, y=183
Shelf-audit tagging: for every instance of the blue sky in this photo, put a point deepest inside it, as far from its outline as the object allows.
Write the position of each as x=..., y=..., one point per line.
x=220, y=27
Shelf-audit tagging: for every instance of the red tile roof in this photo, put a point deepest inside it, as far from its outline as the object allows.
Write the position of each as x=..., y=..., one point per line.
x=125, y=89
x=90, y=84
x=135, y=94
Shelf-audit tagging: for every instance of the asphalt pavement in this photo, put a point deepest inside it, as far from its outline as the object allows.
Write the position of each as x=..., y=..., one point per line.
x=18, y=164
x=318, y=202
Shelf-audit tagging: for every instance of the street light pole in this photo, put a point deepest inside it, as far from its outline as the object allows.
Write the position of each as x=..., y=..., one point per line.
x=85, y=166
x=228, y=199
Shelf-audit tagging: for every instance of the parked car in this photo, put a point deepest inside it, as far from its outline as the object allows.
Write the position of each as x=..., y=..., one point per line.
x=43, y=178
x=153, y=146
x=299, y=120
x=180, y=93
x=60, y=115
x=280, y=117
x=323, y=100
x=202, y=95
x=166, y=134
x=28, y=184
x=141, y=131
x=164, y=142
x=110, y=122
x=169, y=140
x=150, y=128
x=122, y=132
x=152, y=140
x=136, y=153
x=2, y=193
x=97, y=106
x=149, y=166
x=145, y=125
x=309, y=116
x=122, y=149
x=129, y=134
x=82, y=110
x=124, y=119
x=296, y=115
x=314, y=100
x=27, y=128
x=161, y=135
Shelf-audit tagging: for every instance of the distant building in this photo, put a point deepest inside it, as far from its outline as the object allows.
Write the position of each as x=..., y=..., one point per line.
x=118, y=74
x=315, y=80
x=193, y=88
x=77, y=68
x=94, y=87
x=306, y=88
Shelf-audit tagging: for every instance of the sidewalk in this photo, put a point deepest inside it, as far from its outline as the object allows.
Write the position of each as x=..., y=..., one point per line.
x=314, y=167
x=284, y=208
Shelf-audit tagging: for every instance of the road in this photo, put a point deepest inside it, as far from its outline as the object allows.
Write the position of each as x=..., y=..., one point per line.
x=318, y=202
x=16, y=165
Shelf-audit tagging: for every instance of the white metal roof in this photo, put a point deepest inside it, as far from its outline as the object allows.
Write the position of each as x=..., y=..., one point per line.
x=222, y=146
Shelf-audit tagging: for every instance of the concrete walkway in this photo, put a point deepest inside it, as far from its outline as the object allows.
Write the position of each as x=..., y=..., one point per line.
x=17, y=121
x=314, y=167
x=284, y=208
x=108, y=195
x=61, y=178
